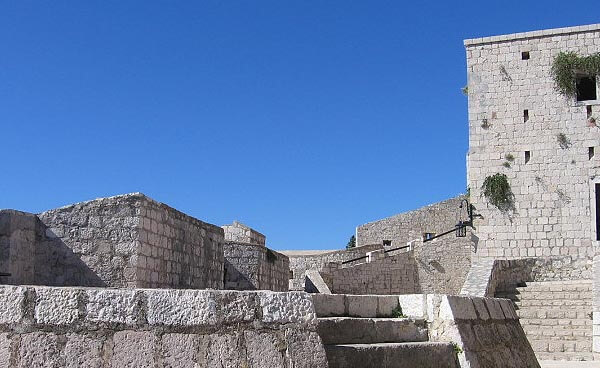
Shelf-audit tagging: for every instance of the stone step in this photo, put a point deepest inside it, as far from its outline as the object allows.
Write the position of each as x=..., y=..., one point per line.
x=349, y=330
x=392, y=355
x=570, y=356
x=556, y=346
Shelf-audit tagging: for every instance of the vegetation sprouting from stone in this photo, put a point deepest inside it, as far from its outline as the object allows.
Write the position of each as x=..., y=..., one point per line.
x=506, y=164
x=485, y=124
x=351, y=242
x=397, y=312
x=465, y=90
x=565, y=67
x=563, y=141
x=457, y=349
x=509, y=157
x=497, y=191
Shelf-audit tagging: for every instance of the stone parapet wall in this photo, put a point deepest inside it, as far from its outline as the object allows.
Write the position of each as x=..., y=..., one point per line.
x=300, y=263
x=238, y=232
x=19, y=232
x=515, y=108
x=75, y=327
x=255, y=267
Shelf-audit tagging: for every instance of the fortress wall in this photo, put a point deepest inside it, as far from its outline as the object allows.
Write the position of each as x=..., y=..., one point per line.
x=73, y=327
x=554, y=191
x=255, y=267
x=237, y=232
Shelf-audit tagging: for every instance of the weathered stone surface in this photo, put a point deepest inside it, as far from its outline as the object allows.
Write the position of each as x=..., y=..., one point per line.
x=83, y=351
x=329, y=305
x=386, y=305
x=181, y=307
x=236, y=307
x=305, y=349
x=291, y=307
x=116, y=306
x=456, y=307
x=413, y=305
x=184, y=350
x=133, y=349
x=56, y=306
x=39, y=349
x=225, y=351
x=361, y=305
x=5, y=350
x=255, y=267
x=265, y=349
x=12, y=300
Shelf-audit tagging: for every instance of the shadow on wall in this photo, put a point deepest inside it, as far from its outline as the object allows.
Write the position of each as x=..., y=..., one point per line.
x=33, y=255
x=233, y=279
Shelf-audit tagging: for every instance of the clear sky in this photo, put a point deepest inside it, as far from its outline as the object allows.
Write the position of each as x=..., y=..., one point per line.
x=302, y=119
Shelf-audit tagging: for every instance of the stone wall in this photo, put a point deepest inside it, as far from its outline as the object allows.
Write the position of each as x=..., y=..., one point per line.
x=255, y=267
x=238, y=232
x=442, y=263
x=74, y=327
x=515, y=110
x=122, y=241
x=384, y=274
x=300, y=262
x=596, y=307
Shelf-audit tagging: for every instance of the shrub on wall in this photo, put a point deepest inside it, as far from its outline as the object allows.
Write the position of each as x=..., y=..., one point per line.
x=565, y=66
x=497, y=191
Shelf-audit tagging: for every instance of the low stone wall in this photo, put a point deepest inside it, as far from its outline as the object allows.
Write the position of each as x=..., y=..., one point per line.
x=127, y=241
x=255, y=267
x=300, y=263
x=596, y=306
x=75, y=327
x=385, y=274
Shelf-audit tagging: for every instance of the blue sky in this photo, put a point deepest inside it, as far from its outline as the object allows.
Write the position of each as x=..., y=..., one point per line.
x=302, y=119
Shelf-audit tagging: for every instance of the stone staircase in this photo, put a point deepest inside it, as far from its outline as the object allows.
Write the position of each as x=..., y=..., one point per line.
x=556, y=317
x=368, y=337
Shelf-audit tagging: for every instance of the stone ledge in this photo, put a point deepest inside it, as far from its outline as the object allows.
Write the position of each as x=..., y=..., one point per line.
x=531, y=34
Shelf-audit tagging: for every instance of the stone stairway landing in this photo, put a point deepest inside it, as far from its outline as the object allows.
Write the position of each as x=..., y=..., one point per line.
x=556, y=317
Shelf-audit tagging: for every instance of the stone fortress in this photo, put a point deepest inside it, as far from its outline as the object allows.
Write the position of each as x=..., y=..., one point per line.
x=127, y=281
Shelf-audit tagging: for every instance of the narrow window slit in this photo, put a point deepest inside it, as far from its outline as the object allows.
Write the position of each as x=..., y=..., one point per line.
x=525, y=115
x=525, y=55
x=589, y=111
x=590, y=153
x=527, y=156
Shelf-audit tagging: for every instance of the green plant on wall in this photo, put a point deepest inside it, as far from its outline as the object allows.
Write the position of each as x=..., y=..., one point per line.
x=509, y=157
x=506, y=164
x=351, y=243
x=497, y=191
x=565, y=67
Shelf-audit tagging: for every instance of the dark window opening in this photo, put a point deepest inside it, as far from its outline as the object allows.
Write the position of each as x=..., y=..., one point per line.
x=590, y=153
x=525, y=115
x=527, y=156
x=586, y=88
x=387, y=243
x=427, y=236
x=525, y=55
x=589, y=111
x=597, y=187
x=291, y=274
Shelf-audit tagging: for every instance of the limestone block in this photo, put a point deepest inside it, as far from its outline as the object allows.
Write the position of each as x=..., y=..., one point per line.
x=457, y=307
x=305, y=349
x=413, y=305
x=109, y=305
x=181, y=307
x=184, y=350
x=225, y=351
x=39, y=349
x=493, y=306
x=5, y=349
x=508, y=309
x=481, y=309
x=133, y=349
x=265, y=349
x=290, y=307
x=362, y=305
x=386, y=304
x=329, y=305
x=236, y=307
x=11, y=299
x=83, y=351
x=56, y=306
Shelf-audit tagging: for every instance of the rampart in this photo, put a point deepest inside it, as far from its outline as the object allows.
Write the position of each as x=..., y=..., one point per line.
x=240, y=233
x=255, y=267
x=75, y=327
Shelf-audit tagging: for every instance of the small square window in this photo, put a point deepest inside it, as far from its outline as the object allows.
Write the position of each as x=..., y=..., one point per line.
x=586, y=87
x=387, y=243
x=427, y=236
x=525, y=55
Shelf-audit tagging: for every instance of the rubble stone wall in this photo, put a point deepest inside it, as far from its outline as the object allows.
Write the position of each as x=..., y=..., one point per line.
x=75, y=327
x=516, y=113
x=255, y=267
x=442, y=263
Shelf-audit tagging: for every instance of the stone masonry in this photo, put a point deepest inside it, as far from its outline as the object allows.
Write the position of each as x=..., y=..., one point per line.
x=238, y=232
x=255, y=267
